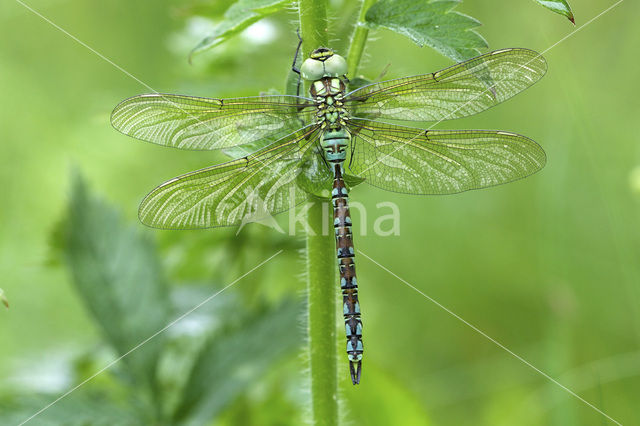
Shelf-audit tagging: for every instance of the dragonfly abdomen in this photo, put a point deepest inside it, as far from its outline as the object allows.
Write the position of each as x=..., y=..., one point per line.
x=334, y=144
x=348, y=282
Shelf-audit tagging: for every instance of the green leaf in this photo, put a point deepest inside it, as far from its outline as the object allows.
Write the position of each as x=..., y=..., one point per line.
x=235, y=358
x=358, y=82
x=238, y=17
x=116, y=272
x=316, y=178
x=431, y=23
x=187, y=338
x=558, y=6
x=77, y=409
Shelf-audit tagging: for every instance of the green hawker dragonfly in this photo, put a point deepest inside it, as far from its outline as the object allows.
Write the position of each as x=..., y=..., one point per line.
x=329, y=141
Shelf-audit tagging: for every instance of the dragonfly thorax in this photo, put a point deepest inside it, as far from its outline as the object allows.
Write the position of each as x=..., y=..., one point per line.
x=328, y=95
x=332, y=116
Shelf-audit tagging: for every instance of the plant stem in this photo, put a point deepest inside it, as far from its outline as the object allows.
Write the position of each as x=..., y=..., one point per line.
x=321, y=270
x=358, y=40
x=321, y=265
x=313, y=25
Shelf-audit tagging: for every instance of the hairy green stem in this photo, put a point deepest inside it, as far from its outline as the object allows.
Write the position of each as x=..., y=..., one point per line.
x=313, y=25
x=321, y=264
x=321, y=270
x=358, y=40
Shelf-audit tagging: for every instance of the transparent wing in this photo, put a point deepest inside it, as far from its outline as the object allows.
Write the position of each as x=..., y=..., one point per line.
x=189, y=122
x=244, y=190
x=458, y=91
x=415, y=161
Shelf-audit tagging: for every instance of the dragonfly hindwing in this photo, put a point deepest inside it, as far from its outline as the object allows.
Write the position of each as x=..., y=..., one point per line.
x=416, y=161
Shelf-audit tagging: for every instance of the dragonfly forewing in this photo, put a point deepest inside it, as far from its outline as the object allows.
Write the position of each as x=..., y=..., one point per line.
x=458, y=91
x=416, y=161
x=194, y=123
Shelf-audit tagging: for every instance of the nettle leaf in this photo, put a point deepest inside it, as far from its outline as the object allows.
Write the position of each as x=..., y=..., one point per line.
x=117, y=273
x=558, y=6
x=236, y=357
x=431, y=23
x=78, y=409
x=238, y=17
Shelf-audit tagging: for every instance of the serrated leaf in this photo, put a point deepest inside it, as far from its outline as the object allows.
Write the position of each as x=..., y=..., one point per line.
x=116, y=272
x=236, y=357
x=77, y=409
x=238, y=17
x=558, y=6
x=431, y=23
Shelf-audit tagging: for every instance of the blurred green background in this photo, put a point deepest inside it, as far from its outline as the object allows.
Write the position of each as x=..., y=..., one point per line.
x=549, y=266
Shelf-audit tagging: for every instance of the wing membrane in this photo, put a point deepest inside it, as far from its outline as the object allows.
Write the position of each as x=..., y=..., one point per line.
x=415, y=161
x=247, y=189
x=458, y=91
x=189, y=122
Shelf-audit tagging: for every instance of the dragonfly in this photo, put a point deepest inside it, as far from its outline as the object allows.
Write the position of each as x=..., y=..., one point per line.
x=333, y=139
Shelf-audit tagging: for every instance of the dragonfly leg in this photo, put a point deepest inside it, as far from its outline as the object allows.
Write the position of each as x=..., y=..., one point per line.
x=322, y=155
x=352, y=149
x=294, y=65
x=326, y=163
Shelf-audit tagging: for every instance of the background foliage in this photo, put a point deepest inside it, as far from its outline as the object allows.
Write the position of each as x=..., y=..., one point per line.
x=547, y=266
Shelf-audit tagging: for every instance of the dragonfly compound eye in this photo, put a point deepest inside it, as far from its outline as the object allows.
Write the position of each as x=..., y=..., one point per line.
x=312, y=69
x=335, y=66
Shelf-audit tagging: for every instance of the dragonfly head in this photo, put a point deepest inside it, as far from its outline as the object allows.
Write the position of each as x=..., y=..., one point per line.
x=323, y=62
